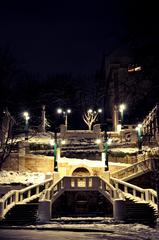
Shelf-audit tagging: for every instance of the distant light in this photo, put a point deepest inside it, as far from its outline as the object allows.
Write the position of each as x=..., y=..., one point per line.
x=100, y=110
x=122, y=107
x=52, y=142
x=98, y=141
x=59, y=110
x=109, y=141
x=26, y=115
x=90, y=110
x=63, y=142
x=138, y=69
x=68, y=110
x=134, y=68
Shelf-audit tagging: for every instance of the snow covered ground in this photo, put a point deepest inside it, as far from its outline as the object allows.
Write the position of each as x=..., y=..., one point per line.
x=27, y=178
x=114, y=231
x=82, y=231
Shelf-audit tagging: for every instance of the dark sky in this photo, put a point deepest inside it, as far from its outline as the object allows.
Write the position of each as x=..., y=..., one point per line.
x=61, y=36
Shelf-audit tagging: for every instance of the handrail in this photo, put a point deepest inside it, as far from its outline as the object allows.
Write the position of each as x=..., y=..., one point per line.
x=80, y=183
x=138, y=193
x=130, y=171
x=24, y=195
x=149, y=116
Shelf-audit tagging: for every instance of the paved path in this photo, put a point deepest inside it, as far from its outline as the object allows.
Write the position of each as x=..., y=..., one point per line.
x=12, y=234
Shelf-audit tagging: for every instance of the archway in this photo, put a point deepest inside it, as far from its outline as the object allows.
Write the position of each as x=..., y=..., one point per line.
x=81, y=172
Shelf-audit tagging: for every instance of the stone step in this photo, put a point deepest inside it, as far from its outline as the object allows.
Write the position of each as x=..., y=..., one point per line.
x=83, y=220
x=23, y=214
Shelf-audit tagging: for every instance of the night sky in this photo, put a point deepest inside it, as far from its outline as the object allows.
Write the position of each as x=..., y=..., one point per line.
x=66, y=37
x=61, y=36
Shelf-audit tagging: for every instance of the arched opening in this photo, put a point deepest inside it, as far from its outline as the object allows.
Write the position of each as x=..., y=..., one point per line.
x=82, y=204
x=81, y=172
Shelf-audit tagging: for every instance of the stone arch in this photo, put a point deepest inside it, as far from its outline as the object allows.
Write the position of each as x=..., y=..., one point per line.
x=80, y=172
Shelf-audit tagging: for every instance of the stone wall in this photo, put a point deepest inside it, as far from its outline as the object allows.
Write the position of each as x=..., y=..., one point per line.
x=12, y=163
x=36, y=163
x=28, y=162
x=125, y=159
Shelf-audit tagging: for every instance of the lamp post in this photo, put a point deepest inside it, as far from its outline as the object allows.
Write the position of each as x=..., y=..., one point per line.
x=106, y=148
x=65, y=113
x=107, y=142
x=122, y=107
x=26, y=117
x=54, y=144
x=139, y=136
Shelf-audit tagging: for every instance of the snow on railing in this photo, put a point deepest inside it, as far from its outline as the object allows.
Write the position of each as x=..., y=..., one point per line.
x=135, y=169
x=138, y=194
x=79, y=183
x=27, y=194
x=150, y=117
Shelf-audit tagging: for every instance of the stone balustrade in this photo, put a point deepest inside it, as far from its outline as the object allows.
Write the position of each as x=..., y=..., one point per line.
x=27, y=194
x=137, y=193
x=133, y=170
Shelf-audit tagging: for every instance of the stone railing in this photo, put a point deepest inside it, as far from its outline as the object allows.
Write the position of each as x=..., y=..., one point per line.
x=135, y=193
x=73, y=184
x=27, y=194
x=82, y=184
x=133, y=170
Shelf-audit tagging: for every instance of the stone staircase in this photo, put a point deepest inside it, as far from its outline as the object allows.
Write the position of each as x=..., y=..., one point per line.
x=20, y=207
x=23, y=196
x=22, y=214
x=134, y=170
x=141, y=204
x=139, y=212
x=83, y=148
x=136, y=200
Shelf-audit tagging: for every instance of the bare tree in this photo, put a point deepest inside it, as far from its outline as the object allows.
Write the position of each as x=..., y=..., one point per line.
x=90, y=117
x=6, y=136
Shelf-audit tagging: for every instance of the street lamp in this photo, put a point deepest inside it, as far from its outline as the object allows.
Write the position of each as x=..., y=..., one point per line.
x=122, y=107
x=139, y=136
x=65, y=113
x=26, y=117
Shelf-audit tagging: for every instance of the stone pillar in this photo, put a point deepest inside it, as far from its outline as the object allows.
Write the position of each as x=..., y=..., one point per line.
x=119, y=209
x=63, y=130
x=22, y=152
x=43, y=119
x=97, y=129
x=44, y=211
x=115, y=117
x=58, y=155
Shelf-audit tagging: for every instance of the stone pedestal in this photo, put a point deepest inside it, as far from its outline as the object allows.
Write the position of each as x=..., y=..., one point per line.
x=44, y=211
x=63, y=130
x=119, y=209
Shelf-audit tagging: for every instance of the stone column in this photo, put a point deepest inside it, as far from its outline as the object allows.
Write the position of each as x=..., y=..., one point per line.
x=115, y=117
x=44, y=211
x=62, y=131
x=119, y=209
x=22, y=152
x=43, y=119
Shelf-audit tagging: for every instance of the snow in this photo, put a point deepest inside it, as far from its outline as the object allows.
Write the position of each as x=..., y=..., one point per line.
x=109, y=231
x=76, y=161
x=125, y=150
x=27, y=178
